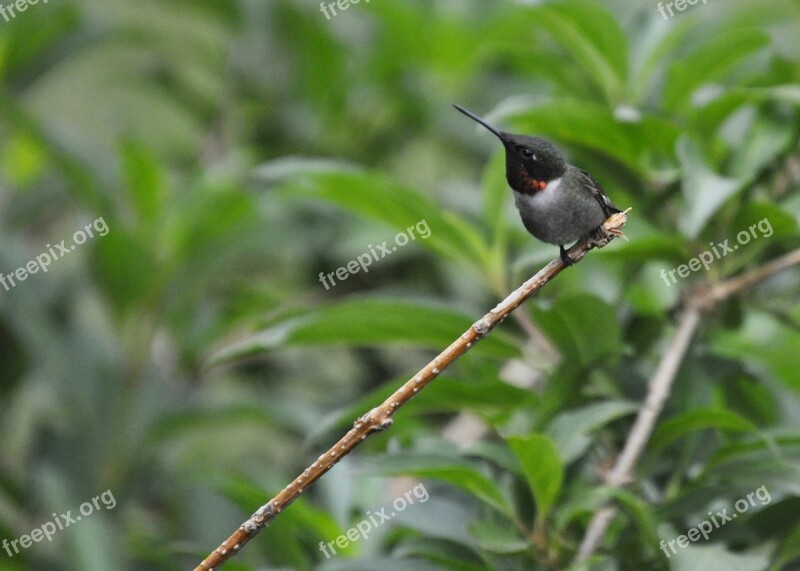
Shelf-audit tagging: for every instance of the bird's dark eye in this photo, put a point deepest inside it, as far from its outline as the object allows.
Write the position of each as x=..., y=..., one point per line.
x=527, y=153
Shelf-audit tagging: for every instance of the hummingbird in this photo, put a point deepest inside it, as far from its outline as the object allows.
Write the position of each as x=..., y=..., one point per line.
x=559, y=203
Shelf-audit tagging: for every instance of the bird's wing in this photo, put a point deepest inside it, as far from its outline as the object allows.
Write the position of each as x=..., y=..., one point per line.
x=598, y=192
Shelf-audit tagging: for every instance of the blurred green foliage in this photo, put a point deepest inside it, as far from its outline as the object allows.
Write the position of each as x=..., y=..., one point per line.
x=192, y=363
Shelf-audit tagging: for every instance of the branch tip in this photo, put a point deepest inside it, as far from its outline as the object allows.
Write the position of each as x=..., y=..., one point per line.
x=380, y=418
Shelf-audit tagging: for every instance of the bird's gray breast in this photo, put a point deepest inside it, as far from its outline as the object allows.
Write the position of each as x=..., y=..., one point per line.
x=557, y=214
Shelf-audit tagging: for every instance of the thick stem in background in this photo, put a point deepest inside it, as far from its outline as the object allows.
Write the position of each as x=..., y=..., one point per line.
x=657, y=394
x=661, y=384
x=380, y=418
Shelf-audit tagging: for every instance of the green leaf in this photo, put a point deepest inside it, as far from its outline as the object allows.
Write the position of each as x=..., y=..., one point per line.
x=124, y=267
x=594, y=126
x=709, y=63
x=654, y=55
x=707, y=116
x=497, y=538
x=496, y=195
x=145, y=180
x=571, y=430
x=594, y=38
x=579, y=503
x=470, y=237
x=764, y=142
x=541, y=464
x=769, y=221
x=487, y=396
x=23, y=159
x=789, y=551
x=463, y=476
x=764, y=223
x=654, y=292
x=566, y=324
x=695, y=420
x=367, y=322
x=704, y=191
x=443, y=551
x=375, y=197
x=655, y=246
x=85, y=552
x=642, y=514
x=770, y=342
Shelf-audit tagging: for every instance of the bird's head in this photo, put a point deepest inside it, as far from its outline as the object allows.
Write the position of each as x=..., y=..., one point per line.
x=531, y=162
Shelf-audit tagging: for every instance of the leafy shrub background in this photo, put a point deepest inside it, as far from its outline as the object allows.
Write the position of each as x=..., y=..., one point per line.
x=191, y=362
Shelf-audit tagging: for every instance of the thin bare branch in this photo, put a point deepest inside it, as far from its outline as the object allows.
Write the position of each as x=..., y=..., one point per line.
x=661, y=385
x=731, y=287
x=657, y=395
x=380, y=418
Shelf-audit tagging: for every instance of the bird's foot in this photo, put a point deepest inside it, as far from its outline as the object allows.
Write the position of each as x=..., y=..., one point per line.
x=565, y=257
x=608, y=230
x=598, y=237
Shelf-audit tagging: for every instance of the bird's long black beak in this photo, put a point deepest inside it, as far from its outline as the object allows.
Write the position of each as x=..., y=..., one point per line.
x=477, y=119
